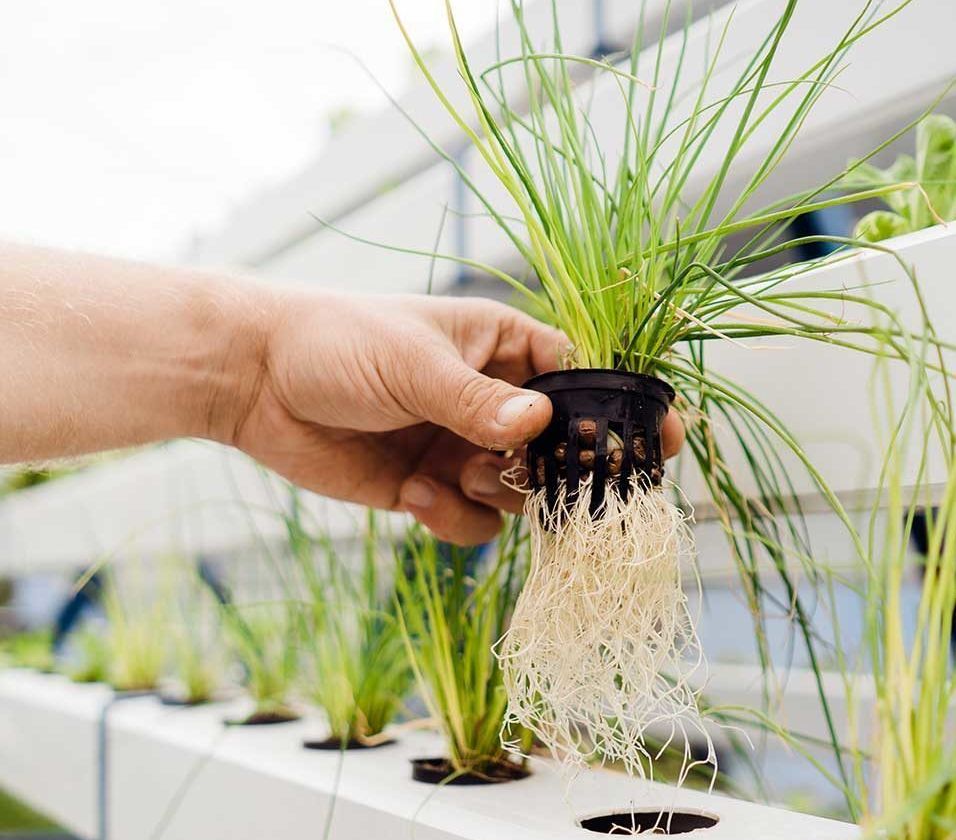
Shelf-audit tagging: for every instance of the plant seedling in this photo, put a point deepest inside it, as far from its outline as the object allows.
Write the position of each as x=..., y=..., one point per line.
x=451, y=615
x=137, y=636
x=91, y=656
x=641, y=272
x=354, y=663
x=197, y=652
x=263, y=637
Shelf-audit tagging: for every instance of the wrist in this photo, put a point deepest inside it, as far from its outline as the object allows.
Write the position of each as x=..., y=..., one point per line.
x=237, y=318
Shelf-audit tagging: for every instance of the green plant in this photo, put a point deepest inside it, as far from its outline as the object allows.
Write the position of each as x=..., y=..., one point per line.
x=451, y=616
x=29, y=649
x=198, y=670
x=15, y=816
x=91, y=656
x=642, y=273
x=354, y=663
x=930, y=197
x=902, y=784
x=906, y=782
x=137, y=637
x=197, y=662
x=25, y=477
x=13, y=479
x=197, y=652
x=264, y=637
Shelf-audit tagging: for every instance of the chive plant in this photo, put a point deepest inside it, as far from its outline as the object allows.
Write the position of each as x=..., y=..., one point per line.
x=354, y=665
x=914, y=765
x=902, y=761
x=137, y=638
x=642, y=274
x=197, y=652
x=263, y=637
x=905, y=780
x=197, y=667
x=90, y=656
x=451, y=613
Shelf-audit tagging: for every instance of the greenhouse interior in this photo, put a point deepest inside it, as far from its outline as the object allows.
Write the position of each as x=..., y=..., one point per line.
x=502, y=420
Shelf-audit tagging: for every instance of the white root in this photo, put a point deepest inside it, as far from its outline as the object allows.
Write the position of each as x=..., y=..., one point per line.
x=602, y=645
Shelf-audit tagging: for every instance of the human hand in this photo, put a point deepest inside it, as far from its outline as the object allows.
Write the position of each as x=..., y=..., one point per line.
x=401, y=403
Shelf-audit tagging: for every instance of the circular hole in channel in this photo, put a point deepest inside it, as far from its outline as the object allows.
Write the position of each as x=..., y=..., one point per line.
x=624, y=823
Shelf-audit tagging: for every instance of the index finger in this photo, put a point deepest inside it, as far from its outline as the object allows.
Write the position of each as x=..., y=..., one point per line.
x=549, y=348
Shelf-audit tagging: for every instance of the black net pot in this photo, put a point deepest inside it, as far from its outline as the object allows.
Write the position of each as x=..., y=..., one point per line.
x=606, y=424
x=333, y=744
x=441, y=771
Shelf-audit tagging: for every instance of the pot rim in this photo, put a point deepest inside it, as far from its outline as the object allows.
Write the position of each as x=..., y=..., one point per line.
x=601, y=378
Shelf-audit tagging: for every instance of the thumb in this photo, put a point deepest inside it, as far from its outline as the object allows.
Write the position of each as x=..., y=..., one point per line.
x=488, y=412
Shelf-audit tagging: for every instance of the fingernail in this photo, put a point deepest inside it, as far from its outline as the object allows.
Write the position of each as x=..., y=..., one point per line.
x=511, y=409
x=487, y=481
x=418, y=493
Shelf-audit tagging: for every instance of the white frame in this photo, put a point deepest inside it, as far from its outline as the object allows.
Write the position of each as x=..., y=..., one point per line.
x=257, y=782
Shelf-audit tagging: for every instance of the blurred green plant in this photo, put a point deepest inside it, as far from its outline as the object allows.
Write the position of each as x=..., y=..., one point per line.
x=90, y=655
x=138, y=634
x=29, y=649
x=198, y=660
x=264, y=637
x=21, y=479
x=931, y=196
x=19, y=820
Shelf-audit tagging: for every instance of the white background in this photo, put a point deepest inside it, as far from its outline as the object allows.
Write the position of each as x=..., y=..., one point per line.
x=130, y=126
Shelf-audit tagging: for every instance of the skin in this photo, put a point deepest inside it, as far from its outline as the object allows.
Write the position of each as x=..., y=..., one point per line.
x=398, y=402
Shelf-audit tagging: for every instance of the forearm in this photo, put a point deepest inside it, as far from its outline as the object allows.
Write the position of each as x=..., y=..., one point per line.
x=101, y=354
